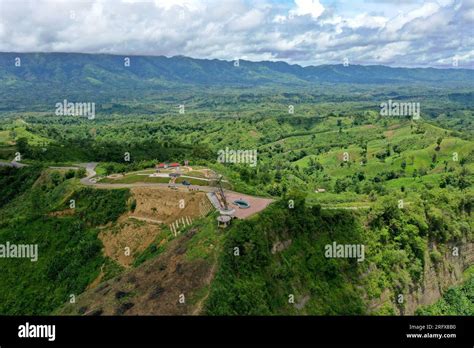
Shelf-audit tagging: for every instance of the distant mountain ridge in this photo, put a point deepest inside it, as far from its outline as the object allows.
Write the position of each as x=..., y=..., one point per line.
x=43, y=75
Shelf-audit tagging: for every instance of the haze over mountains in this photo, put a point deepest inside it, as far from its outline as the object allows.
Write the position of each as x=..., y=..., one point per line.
x=49, y=76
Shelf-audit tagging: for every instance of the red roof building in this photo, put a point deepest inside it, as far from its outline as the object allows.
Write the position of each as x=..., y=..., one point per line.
x=166, y=165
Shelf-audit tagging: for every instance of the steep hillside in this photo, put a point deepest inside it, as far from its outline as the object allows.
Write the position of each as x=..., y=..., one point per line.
x=51, y=77
x=277, y=263
x=68, y=256
x=174, y=281
x=457, y=300
x=93, y=240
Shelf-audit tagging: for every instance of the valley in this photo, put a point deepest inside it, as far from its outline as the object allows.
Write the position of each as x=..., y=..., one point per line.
x=123, y=206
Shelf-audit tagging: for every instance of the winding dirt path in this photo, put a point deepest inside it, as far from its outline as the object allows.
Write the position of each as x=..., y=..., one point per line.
x=210, y=276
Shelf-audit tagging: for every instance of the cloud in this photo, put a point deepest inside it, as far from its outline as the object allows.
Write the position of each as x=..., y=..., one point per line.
x=308, y=7
x=431, y=33
x=248, y=21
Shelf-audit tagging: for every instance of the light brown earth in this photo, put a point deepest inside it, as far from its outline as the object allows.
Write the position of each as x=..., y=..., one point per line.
x=97, y=280
x=65, y=212
x=254, y=134
x=163, y=204
x=153, y=288
x=389, y=134
x=134, y=234
x=138, y=229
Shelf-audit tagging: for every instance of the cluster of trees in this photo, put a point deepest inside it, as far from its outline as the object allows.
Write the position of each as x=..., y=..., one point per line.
x=114, y=167
x=358, y=183
x=458, y=300
x=254, y=281
x=97, y=207
x=15, y=181
x=69, y=251
x=101, y=151
x=69, y=258
x=461, y=180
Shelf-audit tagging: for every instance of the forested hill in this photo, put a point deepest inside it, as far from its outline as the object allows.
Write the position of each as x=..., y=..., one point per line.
x=53, y=75
x=101, y=68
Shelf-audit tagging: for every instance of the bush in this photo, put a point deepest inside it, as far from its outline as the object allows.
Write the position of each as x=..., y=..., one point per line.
x=98, y=207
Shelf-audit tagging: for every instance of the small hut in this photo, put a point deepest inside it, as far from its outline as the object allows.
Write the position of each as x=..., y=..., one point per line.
x=223, y=221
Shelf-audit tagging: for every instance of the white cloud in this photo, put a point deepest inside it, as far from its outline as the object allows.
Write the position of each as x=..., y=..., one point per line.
x=247, y=21
x=191, y=5
x=367, y=21
x=403, y=18
x=279, y=19
x=308, y=7
x=302, y=32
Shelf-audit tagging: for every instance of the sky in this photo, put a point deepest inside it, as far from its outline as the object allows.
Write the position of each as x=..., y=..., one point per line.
x=407, y=33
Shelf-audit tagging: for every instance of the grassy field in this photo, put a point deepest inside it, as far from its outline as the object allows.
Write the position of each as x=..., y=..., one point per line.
x=135, y=178
x=5, y=137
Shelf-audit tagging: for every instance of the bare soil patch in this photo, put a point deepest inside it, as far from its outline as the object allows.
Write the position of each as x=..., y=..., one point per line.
x=167, y=205
x=389, y=134
x=153, y=288
x=138, y=229
x=136, y=235
x=97, y=280
x=65, y=212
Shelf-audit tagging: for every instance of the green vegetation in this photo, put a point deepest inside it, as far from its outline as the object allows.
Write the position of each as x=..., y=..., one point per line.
x=151, y=251
x=67, y=263
x=14, y=182
x=458, y=300
x=69, y=252
x=135, y=178
x=400, y=187
x=258, y=282
x=203, y=245
x=97, y=207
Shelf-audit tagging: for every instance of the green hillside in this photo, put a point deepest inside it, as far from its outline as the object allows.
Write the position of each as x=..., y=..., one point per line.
x=336, y=170
x=69, y=253
x=43, y=79
x=456, y=300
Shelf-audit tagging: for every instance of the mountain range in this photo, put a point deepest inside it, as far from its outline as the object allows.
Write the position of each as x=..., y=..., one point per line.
x=25, y=77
